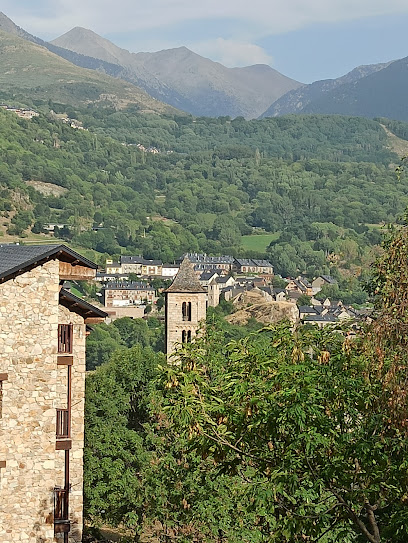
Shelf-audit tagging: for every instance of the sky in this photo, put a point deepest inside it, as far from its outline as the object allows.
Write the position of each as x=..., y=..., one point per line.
x=306, y=40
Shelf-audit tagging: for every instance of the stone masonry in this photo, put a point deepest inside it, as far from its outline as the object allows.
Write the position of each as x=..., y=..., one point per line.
x=35, y=387
x=186, y=306
x=174, y=320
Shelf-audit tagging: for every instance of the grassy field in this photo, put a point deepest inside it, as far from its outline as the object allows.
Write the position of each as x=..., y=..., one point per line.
x=258, y=242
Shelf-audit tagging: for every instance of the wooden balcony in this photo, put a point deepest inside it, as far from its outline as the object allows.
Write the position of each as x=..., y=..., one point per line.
x=63, y=424
x=61, y=510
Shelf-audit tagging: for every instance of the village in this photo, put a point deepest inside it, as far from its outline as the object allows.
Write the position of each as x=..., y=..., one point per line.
x=127, y=287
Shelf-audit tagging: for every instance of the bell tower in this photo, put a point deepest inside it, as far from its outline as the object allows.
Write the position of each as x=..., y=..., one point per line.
x=185, y=307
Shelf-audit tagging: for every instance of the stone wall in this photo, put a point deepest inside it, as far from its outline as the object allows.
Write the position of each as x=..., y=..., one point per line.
x=36, y=387
x=174, y=318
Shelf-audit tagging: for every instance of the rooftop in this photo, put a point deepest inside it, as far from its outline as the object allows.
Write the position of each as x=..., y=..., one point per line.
x=15, y=259
x=186, y=279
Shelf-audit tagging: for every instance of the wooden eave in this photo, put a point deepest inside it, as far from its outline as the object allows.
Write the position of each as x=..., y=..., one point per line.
x=90, y=313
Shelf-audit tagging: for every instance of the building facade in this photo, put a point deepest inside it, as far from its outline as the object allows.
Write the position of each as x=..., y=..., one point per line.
x=126, y=294
x=42, y=392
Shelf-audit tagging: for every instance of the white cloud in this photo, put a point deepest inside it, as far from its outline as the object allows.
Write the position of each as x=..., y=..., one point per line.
x=233, y=53
x=270, y=16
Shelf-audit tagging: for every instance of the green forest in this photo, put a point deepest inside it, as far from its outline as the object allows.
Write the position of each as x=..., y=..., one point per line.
x=320, y=186
x=257, y=434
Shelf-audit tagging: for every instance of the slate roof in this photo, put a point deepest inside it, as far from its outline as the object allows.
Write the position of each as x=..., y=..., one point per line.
x=186, y=279
x=320, y=318
x=208, y=274
x=77, y=305
x=223, y=280
x=329, y=279
x=132, y=285
x=205, y=259
x=131, y=260
x=307, y=310
x=263, y=263
x=244, y=262
x=139, y=260
x=17, y=258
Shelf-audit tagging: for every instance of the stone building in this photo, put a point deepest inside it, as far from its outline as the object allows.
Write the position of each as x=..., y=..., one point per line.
x=213, y=293
x=42, y=391
x=127, y=293
x=185, y=307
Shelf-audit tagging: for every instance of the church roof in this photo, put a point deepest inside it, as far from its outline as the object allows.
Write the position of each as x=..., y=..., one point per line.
x=186, y=279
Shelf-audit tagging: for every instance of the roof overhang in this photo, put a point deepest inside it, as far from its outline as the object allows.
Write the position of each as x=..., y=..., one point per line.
x=90, y=313
x=72, y=265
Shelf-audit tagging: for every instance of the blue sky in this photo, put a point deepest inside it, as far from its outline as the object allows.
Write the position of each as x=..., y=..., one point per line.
x=303, y=39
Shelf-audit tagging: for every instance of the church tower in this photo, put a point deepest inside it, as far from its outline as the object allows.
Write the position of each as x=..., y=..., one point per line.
x=213, y=293
x=185, y=307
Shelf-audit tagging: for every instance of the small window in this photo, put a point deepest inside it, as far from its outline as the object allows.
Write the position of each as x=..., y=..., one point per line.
x=65, y=338
x=186, y=311
x=189, y=336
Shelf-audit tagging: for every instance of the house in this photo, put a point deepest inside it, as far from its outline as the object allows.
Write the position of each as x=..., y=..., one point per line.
x=319, y=282
x=42, y=392
x=301, y=285
x=169, y=271
x=279, y=294
x=225, y=281
x=204, y=262
x=264, y=266
x=248, y=265
x=319, y=320
x=306, y=310
x=232, y=292
x=140, y=266
x=207, y=276
x=113, y=268
x=127, y=293
x=245, y=265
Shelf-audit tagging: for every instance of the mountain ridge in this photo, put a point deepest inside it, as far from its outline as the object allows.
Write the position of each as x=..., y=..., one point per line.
x=185, y=79
x=27, y=67
x=305, y=98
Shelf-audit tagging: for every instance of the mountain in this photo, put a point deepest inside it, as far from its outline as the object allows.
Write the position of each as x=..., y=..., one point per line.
x=365, y=91
x=29, y=69
x=186, y=80
x=380, y=94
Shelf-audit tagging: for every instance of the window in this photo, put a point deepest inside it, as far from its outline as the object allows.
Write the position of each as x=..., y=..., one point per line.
x=186, y=311
x=65, y=338
x=3, y=377
x=189, y=336
x=186, y=336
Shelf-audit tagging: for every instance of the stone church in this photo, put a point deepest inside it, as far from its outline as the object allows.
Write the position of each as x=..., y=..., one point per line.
x=186, y=304
x=42, y=392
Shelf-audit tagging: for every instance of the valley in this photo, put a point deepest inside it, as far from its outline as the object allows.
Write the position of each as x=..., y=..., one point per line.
x=253, y=391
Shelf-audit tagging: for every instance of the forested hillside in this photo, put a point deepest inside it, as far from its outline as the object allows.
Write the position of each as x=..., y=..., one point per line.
x=321, y=184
